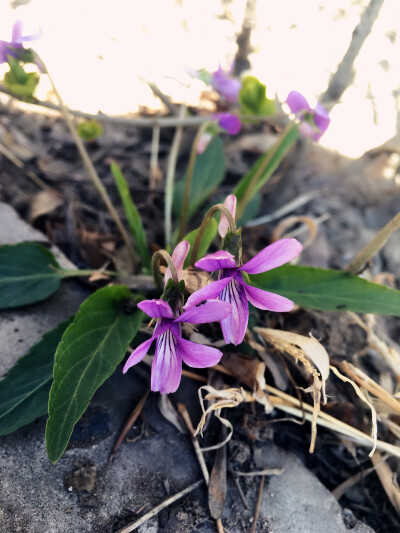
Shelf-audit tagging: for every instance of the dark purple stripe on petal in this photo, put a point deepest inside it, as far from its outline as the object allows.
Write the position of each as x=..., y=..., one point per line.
x=138, y=354
x=235, y=324
x=166, y=369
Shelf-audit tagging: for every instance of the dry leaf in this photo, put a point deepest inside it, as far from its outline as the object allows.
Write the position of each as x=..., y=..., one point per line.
x=385, y=475
x=44, y=202
x=374, y=431
x=287, y=222
x=304, y=349
x=251, y=373
x=170, y=413
x=217, y=487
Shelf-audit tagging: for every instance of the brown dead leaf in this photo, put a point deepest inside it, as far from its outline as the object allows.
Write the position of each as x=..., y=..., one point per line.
x=251, y=373
x=44, y=202
x=307, y=350
x=55, y=168
x=170, y=413
x=385, y=475
x=99, y=275
x=217, y=486
x=287, y=222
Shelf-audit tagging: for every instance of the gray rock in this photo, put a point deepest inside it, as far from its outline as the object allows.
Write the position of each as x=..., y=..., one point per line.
x=296, y=501
x=21, y=328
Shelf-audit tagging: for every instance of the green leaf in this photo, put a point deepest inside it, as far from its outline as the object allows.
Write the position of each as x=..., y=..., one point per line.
x=27, y=274
x=19, y=82
x=133, y=216
x=208, y=173
x=24, y=392
x=253, y=100
x=268, y=163
x=251, y=211
x=89, y=130
x=90, y=350
x=208, y=237
x=329, y=290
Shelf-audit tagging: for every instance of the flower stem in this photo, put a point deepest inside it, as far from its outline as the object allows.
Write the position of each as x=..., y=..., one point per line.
x=373, y=247
x=169, y=182
x=83, y=273
x=188, y=182
x=92, y=171
x=206, y=220
x=249, y=193
x=159, y=280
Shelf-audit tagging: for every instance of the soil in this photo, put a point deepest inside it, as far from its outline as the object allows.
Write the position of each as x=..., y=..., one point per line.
x=355, y=199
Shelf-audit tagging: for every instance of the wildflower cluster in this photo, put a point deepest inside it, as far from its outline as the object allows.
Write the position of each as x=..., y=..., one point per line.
x=224, y=300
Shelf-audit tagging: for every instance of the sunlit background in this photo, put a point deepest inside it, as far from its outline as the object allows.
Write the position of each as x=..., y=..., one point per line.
x=102, y=53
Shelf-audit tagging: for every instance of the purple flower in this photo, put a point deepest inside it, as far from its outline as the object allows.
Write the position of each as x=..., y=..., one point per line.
x=230, y=204
x=313, y=122
x=16, y=43
x=178, y=257
x=228, y=87
x=171, y=349
x=231, y=286
x=204, y=141
x=228, y=122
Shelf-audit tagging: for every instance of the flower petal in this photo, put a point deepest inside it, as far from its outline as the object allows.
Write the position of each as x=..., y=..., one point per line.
x=267, y=300
x=274, y=255
x=178, y=257
x=297, y=102
x=321, y=118
x=16, y=36
x=138, y=354
x=204, y=141
x=226, y=86
x=198, y=355
x=216, y=261
x=156, y=308
x=228, y=122
x=230, y=204
x=210, y=311
x=309, y=130
x=209, y=292
x=166, y=369
x=235, y=324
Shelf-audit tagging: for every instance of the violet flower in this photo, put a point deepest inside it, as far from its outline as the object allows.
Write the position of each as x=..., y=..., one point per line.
x=171, y=349
x=228, y=87
x=16, y=43
x=231, y=286
x=313, y=122
x=178, y=257
x=228, y=122
x=230, y=204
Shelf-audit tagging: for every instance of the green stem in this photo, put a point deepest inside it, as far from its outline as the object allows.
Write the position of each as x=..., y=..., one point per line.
x=83, y=273
x=169, y=181
x=158, y=278
x=92, y=171
x=206, y=220
x=242, y=204
x=373, y=247
x=188, y=182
